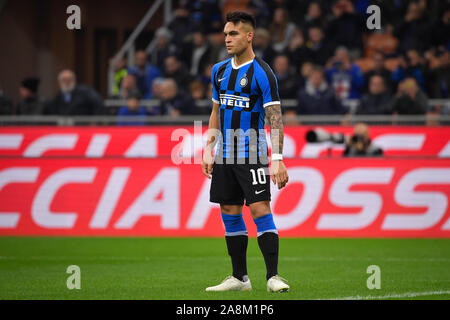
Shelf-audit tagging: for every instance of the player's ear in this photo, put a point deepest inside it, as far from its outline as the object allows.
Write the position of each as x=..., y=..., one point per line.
x=250, y=36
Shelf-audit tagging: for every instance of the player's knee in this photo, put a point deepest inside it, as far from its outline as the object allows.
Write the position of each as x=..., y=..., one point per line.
x=230, y=209
x=259, y=209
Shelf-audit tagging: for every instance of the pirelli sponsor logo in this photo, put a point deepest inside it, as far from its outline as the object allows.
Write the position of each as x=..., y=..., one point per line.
x=234, y=101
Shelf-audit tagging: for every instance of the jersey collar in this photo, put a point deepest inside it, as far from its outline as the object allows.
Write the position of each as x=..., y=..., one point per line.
x=237, y=67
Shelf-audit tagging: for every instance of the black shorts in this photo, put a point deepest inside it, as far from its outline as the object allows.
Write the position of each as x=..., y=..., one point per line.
x=233, y=183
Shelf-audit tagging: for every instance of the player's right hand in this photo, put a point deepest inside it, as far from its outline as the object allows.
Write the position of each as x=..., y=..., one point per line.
x=207, y=164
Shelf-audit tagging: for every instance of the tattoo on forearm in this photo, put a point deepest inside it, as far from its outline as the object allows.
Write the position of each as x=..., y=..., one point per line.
x=275, y=118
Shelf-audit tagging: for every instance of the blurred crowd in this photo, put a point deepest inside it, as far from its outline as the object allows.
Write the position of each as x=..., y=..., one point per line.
x=320, y=50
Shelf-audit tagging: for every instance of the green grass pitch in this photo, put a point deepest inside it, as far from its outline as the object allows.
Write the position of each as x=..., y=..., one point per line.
x=181, y=268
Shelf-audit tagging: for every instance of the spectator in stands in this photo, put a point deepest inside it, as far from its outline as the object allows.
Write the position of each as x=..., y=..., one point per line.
x=360, y=144
x=305, y=72
x=30, y=103
x=411, y=64
x=6, y=106
x=218, y=49
x=74, y=99
x=317, y=97
x=164, y=48
x=177, y=71
x=414, y=30
x=261, y=12
x=346, y=28
x=156, y=87
x=120, y=71
x=180, y=25
x=441, y=30
x=377, y=101
x=313, y=17
x=281, y=30
x=197, y=90
x=319, y=50
x=409, y=98
x=346, y=77
x=297, y=51
x=287, y=80
x=262, y=47
x=175, y=102
x=157, y=94
x=132, y=111
x=378, y=68
x=128, y=87
x=205, y=77
x=197, y=53
x=144, y=73
x=205, y=14
x=438, y=80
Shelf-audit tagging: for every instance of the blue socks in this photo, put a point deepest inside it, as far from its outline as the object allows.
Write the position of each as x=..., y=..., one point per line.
x=268, y=243
x=234, y=225
x=265, y=224
x=237, y=240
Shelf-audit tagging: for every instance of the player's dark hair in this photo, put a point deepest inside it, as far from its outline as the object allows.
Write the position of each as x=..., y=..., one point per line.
x=240, y=16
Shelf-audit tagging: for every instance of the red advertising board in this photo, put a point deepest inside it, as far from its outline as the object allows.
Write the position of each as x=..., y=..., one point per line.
x=131, y=181
x=402, y=197
x=162, y=141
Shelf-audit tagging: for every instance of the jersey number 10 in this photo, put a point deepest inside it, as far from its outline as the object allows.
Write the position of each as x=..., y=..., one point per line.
x=260, y=174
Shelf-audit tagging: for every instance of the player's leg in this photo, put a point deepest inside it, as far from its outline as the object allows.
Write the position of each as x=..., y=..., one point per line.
x=267, y=235
x=255, y=181
x=268, y=242
x=226, y=191
x=236, y=237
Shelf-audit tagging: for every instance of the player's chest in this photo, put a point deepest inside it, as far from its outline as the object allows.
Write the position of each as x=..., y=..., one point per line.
x=238, y=88
x=240, y=81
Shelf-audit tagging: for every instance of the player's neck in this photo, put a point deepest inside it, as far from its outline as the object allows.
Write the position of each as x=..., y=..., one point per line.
x=244, y=57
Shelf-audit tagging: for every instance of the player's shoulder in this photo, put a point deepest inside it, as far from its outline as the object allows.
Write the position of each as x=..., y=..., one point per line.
x=263, y=67
x=220, y=64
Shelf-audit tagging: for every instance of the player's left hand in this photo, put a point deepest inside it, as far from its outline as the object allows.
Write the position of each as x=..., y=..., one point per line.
x=279, y=173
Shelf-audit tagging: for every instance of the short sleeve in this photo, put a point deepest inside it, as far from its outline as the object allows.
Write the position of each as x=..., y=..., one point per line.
x=215, y=91
x=269, y=86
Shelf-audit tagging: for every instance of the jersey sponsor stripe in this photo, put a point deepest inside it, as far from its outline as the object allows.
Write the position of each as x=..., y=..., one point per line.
x=236, y=96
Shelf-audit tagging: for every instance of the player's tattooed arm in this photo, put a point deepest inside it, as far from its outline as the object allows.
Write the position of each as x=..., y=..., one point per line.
x=278, y=170
x=275, y=118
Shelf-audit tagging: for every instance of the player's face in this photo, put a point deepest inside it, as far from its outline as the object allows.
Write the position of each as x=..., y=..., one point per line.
x=237, y=37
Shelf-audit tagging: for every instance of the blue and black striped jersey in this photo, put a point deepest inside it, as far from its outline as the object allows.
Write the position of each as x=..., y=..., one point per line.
x=242, y=93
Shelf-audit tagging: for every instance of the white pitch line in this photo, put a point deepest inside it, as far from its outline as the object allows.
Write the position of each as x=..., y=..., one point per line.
x=395, y=295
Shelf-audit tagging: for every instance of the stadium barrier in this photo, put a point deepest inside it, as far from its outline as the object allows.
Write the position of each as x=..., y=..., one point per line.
x=432, y=118
x=138, y=181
